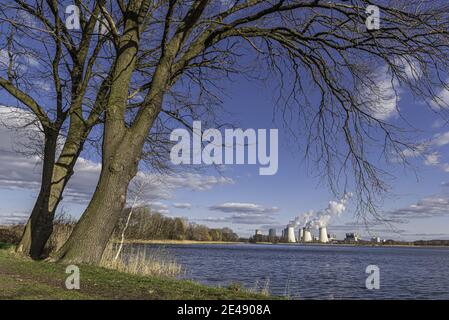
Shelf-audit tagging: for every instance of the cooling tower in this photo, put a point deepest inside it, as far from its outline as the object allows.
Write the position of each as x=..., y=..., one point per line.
x=300, y=234
x=307, y=236
x=291, y=234
x=323, y=235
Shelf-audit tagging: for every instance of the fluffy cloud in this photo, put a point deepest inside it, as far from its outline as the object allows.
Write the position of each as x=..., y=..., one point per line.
x=430, y=207
x=432, y=159
x=441, y=139
x=380, y=96
x=411, y=68
x=239, y=207
x=19, y=140
x=162, y=186
x=182, y=205
x=158, y=207
x=382, y=92
x=427, y=151
x=243, y=213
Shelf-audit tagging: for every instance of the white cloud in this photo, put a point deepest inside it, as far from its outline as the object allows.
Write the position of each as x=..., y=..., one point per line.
x=414, y=152
x=441, y=139
x=30, y=60
x=441, y=99
x=430, y=207
x=43, y=85
x=379, y=95
x=410, y=67
x=162, y=186
x=19, y=62
x=158, y=207
x=182, y=205
x=4, y=58
x=426, y=150
x=243, y=213
x=432, y=159
x=243, y=207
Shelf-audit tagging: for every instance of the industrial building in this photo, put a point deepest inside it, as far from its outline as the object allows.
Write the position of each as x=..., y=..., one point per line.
x=323, y=237
x=307, y=235
x=291, y=234
x=260, y=237
x=352, y=237
x=300, y=234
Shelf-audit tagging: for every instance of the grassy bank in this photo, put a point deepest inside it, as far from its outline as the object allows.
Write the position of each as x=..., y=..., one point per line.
x=22, y=278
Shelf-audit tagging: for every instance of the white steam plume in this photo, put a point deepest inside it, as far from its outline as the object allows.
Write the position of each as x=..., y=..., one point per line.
x=312, y=219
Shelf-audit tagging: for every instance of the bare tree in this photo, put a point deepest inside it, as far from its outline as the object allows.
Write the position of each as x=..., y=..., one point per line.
x=61, y=77
x=58, y=77
x=164, y=50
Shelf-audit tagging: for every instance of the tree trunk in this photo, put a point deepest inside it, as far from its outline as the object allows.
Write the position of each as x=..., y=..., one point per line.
x=93, y=231
x=54, y=180
x=40, y=224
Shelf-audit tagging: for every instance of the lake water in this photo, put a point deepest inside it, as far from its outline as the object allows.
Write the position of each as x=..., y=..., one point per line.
x=319, y=272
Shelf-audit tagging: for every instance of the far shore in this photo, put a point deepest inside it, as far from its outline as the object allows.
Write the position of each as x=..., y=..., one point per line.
x=187, y=242
x=177, y=242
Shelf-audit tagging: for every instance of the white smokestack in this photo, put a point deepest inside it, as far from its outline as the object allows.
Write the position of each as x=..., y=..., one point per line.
x=291, y=234
x=307, y=236
x=323, y=235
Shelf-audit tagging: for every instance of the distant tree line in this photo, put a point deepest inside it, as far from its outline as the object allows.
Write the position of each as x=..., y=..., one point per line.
x=147, y=225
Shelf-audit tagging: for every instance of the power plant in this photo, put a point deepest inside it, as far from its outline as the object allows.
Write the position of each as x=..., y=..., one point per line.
x=315, y=220
x=304, y=235
x=300, y=234
x=323, y=235
x=308, y=221
x=307, y=235
x=291, y=234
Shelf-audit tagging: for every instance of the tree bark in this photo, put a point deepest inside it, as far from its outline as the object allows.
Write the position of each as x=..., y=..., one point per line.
x=93, y=231
x=54, y=180
x=40, y=224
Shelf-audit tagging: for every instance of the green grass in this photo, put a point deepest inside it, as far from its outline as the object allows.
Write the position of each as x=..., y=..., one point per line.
x=22, y=278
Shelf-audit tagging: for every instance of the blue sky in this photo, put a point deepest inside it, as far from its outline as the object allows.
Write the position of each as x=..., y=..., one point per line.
x=238, y=197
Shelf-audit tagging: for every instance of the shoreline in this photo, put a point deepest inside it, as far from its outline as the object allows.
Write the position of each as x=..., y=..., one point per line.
x=177, y=242
x=27, y=279
x=189, y=242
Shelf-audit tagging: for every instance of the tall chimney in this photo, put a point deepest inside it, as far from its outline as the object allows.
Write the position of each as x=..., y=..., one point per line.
x=291, y=234
x=307, y=236
x=323, y=235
